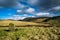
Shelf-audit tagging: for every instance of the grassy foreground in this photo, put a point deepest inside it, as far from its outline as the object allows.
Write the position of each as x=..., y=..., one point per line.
x=31, y=33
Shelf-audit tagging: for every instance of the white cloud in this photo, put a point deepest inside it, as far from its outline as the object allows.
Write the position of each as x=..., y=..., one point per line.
x=57, y=8
x=42, y=14
x=15, y=17
x=30, y=10
x=25, y=15
x=18, y=17
x=19, y=11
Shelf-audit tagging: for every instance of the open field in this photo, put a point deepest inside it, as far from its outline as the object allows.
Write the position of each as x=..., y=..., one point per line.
x=30, y=33
x=5, y=23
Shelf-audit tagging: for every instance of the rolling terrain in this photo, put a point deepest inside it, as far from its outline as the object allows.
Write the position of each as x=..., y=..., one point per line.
x=31, y=29
x=53, y=21
x=46, y=22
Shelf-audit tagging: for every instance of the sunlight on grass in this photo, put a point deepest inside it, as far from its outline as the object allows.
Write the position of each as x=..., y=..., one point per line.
x=32, y=33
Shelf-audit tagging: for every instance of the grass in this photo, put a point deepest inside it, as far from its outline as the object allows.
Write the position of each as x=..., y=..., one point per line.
x=17, y=23
x=21, y=23
x=31, y=33
x=36, y=31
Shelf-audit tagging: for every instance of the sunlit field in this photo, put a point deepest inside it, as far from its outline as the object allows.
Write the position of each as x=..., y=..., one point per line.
x=34, y=30
x=30, y=33
x=5, y=23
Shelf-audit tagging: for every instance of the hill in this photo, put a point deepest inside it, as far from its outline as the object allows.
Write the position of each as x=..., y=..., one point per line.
x=54, y=21
x=36, y=20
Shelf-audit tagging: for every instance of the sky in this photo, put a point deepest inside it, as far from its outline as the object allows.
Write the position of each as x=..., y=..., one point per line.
x=20, y=9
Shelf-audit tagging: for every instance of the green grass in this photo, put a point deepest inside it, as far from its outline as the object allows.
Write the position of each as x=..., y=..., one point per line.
x=31, y=33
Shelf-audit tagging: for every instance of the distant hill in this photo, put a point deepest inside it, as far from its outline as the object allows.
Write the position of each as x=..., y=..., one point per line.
x=55, y=21
x=37, y=19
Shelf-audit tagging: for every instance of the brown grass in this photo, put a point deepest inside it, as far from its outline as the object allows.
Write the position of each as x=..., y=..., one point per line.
x=20, y=23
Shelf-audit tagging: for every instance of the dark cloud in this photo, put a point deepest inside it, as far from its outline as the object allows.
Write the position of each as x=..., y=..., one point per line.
x=44, y=5
x=7, y=3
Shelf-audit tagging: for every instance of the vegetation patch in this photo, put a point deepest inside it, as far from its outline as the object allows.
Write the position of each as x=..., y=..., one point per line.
x=32, y=33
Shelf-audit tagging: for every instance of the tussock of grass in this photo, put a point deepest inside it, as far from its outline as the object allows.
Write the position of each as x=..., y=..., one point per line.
x=33, y=33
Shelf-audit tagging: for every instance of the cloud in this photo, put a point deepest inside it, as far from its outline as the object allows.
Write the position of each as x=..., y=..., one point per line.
x=30, y=10
x=18, y=17
x=25, y=15
x=56, y=8
x=43, y=5
x=45, y=14
x=42, y=14
x=28, y=6
x=32, y=2
x=15, y=17
x=19, y=11
x=15, y=4
x=18, y=6
x=7, y=3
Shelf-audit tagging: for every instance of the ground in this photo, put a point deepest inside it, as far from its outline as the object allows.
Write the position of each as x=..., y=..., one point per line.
x=30, y=33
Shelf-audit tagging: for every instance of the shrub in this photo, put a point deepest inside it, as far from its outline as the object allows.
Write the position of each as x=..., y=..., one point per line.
x=11, y=27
